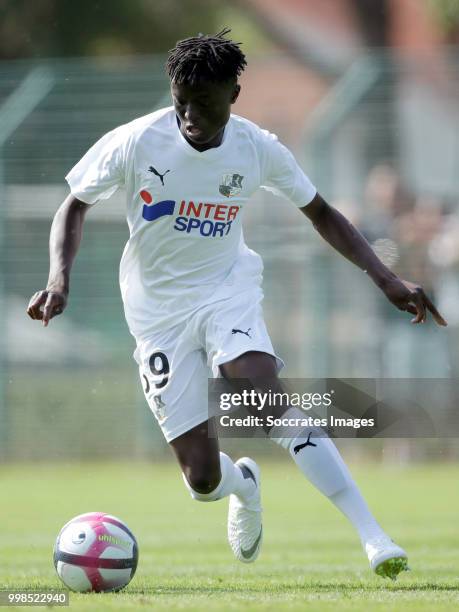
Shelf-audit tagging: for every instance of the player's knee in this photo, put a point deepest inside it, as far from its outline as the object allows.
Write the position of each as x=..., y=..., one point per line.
x=202, y=484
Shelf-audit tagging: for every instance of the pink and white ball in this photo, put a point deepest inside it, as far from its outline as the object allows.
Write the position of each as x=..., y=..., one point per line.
x=95, y=552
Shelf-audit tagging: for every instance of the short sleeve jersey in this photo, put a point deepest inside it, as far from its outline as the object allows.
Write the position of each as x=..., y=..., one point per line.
x=184, y=211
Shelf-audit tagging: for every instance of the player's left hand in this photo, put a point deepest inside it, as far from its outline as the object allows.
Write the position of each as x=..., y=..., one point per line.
x=410, y=297
x=44, y=305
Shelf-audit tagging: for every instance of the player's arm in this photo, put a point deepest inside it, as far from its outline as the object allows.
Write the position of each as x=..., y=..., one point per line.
x=65, y=238
x=343, y=237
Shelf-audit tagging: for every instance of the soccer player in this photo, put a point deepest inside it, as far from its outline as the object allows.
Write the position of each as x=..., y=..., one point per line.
x=192, y=288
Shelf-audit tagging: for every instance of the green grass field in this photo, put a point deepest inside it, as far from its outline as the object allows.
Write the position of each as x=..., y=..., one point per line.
x=311, y=558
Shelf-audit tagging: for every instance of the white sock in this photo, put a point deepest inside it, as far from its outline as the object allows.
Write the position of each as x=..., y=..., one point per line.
x=232, y=481
x=319, y=460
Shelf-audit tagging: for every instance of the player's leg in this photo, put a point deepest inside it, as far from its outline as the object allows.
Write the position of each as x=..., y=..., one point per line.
x=317, y=457
x=198, y=454
x=211, y=475
x=240, y=347
x=208, y=473
x=319, y=460
x=174, y=375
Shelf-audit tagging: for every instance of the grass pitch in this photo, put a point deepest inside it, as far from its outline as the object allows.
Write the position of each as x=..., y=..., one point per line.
x=311, y=558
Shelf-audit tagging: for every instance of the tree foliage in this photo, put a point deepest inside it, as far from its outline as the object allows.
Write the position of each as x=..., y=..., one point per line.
x=447, y=13
x=46, y=28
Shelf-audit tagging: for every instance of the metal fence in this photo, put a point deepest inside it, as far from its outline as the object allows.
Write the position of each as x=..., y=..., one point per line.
x=72, y=390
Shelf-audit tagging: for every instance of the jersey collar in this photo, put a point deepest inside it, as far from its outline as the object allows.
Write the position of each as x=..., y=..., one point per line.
x=213, y=153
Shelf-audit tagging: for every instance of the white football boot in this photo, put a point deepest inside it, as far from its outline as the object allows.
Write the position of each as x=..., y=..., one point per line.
x=385, y=557
x=245, y=532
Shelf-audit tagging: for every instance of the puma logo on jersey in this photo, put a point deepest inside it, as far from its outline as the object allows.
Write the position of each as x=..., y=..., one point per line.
x=158, y=174
x=239, y=331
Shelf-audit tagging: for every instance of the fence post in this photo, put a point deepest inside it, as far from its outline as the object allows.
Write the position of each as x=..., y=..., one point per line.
x=16, y=108
x=335, y=107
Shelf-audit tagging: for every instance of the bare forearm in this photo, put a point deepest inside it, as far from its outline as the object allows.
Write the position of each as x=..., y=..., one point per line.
x=347, y=240
x=343, y=236
x=64, y=241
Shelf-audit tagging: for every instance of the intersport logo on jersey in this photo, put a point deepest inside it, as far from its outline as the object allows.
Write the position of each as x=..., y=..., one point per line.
x=208, y=220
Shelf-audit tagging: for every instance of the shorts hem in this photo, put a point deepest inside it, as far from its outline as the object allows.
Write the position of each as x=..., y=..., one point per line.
x=184, y=427
x=220, y=361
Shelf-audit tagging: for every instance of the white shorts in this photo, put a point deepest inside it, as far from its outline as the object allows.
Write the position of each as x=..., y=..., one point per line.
x=175, y=365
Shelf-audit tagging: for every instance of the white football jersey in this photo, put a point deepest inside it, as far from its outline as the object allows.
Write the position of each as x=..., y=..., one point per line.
x=184, y=211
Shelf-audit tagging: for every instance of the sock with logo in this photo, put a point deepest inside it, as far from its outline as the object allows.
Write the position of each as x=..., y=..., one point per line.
x=319, y=460
x=233, y=480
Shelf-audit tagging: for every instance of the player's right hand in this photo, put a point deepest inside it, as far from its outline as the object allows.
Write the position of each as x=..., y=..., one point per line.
x=44, y=305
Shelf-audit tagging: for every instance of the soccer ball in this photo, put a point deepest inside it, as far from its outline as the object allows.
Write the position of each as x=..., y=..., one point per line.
x=95, y=552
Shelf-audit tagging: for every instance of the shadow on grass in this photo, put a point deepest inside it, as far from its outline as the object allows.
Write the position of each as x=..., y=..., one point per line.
x=224, y=587
x=283, y=588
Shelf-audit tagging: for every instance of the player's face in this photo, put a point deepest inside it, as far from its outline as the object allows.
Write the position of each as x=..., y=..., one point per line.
x=203, y=111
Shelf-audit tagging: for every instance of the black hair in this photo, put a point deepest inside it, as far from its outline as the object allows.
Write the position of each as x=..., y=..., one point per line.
x=205, y=58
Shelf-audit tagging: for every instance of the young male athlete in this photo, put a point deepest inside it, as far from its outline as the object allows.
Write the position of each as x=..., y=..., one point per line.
x=192, y=288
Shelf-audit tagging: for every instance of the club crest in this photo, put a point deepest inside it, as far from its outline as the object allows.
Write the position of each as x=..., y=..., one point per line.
x=231, y=185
